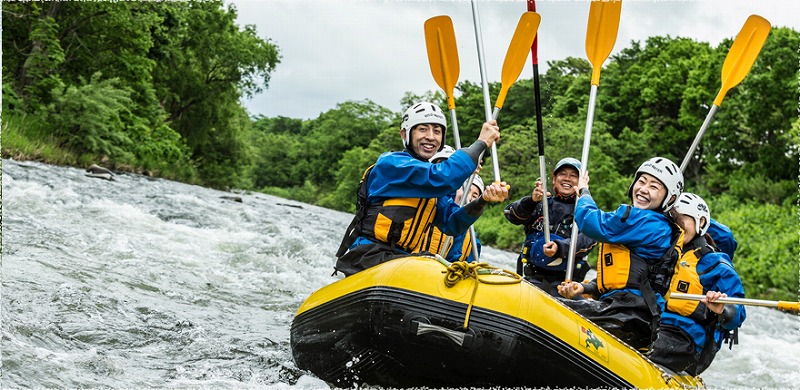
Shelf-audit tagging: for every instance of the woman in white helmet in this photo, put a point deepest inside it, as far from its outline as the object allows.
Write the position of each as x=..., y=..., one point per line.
x=633, y=267
x=692, y=332
x=403, y=194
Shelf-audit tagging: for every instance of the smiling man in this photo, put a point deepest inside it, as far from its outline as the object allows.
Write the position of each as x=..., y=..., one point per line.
x=403, y=194
x=544, y=263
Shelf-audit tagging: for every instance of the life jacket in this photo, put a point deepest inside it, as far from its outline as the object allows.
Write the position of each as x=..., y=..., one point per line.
x=400, y=222
x=619, y=268
x=466, y=248
x=433, y=242
x=687, y=280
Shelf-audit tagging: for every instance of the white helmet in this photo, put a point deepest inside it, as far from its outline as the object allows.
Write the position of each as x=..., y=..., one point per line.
x=443, y=154
x=695, y=207
x=667, y=173
x=423, y=112
x=478, y=182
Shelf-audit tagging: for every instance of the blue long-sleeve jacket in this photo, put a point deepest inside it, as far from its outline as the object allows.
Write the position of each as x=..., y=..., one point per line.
x=723, y=237
x=455, y=252
x=646, y=233
x=716, y=274
x=400, y=175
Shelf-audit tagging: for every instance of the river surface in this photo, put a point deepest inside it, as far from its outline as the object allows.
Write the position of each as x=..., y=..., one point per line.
x=149, y=283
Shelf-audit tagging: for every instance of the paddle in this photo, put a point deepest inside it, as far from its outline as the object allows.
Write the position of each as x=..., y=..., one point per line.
x=514, y=61
x=740, y=59
x=601, y=34
x=440, y=40
x=782, y=305
x=540, y=136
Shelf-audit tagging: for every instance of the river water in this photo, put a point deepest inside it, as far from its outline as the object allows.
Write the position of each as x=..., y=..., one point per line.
x=148, y=283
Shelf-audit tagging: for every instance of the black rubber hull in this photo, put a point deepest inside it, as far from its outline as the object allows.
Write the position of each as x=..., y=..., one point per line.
x=393, y=337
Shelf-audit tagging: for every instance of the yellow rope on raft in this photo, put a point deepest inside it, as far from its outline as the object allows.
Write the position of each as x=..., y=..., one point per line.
x=461, y=270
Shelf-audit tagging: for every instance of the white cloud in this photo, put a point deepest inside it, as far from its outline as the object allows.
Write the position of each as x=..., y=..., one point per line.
x=338, y=50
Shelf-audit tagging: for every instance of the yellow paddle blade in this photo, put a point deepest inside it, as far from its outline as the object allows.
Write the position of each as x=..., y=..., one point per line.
x=517, y=53
x=440, y=39
x=789, y=306
x=743, y=53
x=601, y=33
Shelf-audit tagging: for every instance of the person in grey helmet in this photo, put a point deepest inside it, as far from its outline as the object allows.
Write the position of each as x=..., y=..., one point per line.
x=545, y=263
x=403, y=193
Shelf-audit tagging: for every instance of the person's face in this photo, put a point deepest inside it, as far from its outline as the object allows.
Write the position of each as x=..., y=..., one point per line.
x=648, y=192
x=688, y=225
x=426, y=139
x=565, y=181
x=474, y=193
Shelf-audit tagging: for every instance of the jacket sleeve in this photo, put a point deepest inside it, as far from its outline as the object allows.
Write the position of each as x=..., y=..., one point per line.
x=521, y=211
x=451, y=219
x=645, y=232
x=724, y=278
x=585, y=245
x=399, y=175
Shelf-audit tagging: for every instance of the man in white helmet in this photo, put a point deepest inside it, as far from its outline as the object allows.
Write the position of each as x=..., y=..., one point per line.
x=545, y=264
x=692, y=332
x=637, y=254
x=403, y=194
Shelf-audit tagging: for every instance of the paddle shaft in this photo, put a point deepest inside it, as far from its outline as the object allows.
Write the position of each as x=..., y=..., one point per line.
x=697, y=138
x=484, y=84
x=784, y=305
x=587, y=136
x=539, y=127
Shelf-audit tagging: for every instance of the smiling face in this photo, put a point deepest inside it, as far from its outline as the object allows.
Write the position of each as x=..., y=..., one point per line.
x=648, y=192
x=426, y=139
x=565, y=181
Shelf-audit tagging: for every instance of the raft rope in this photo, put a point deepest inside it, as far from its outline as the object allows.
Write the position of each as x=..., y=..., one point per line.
x=461, y=270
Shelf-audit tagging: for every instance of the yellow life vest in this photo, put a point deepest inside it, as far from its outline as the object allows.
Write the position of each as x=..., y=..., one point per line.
x=619, y=268
x=466, y=248
x=400, y=222
x=432, y=242
x=687, y=280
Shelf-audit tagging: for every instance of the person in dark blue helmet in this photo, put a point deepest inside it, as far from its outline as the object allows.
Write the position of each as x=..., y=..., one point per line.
x=403, y=193
x=545, y=264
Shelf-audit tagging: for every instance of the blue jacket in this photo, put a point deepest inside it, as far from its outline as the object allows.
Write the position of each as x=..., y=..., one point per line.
x=529, y=213
x=723, y=238
x=455, y=250
x=716, y=274
x=400, y=175
x=646, y=233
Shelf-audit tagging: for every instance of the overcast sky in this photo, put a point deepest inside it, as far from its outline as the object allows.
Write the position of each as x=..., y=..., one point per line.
x=338, y=50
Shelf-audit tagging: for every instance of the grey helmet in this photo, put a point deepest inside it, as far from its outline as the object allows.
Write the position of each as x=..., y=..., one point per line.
x=667, y=173
x=569, y=162
x=423, y=112
x=695, y=207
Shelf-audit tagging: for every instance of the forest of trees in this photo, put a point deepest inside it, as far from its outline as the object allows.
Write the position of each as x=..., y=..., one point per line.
x=161, y=96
